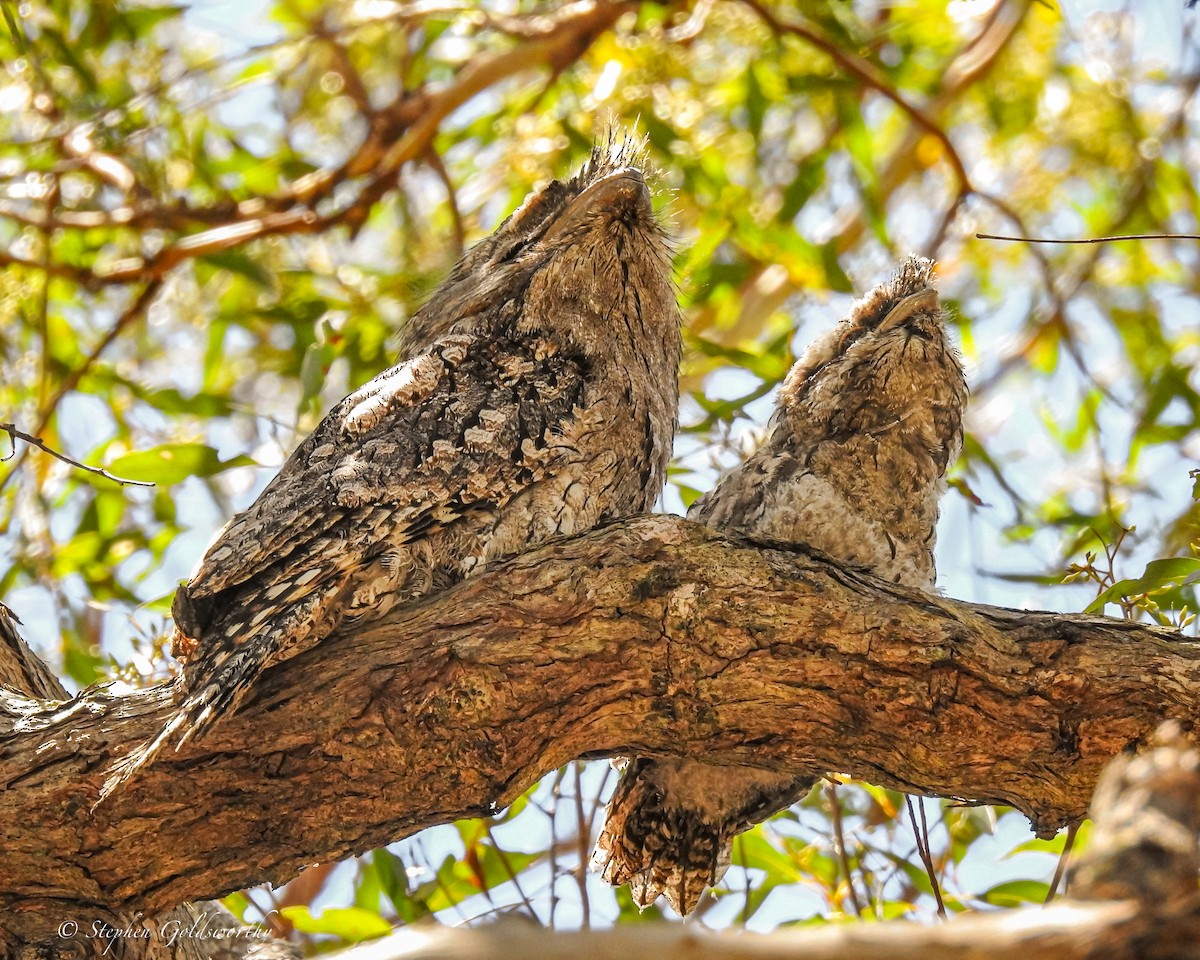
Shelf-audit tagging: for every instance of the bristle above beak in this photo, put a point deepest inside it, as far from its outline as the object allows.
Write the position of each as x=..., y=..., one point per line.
x=925, y=300
x=624, y=188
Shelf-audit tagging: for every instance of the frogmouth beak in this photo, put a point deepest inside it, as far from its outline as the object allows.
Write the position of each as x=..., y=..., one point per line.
x=622, y=192
x=920, y=302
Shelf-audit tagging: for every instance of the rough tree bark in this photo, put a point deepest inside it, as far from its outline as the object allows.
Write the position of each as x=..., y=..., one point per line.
x=222, y=937
x=653, y=636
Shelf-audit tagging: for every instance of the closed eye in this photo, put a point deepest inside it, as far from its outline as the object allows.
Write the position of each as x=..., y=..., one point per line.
x=514, y=251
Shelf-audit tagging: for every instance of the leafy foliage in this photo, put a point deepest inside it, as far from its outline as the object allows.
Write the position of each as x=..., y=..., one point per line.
x=210, y=234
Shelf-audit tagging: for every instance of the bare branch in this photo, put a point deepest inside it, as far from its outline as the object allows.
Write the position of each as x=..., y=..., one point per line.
x=404, y=130
x=921, y=832
x=870, y=77
x=839, y=846
x=15, y=435
x=140, y=304
x=85, y=278
x=1060, y=868
x=434, y=159
x=1131, y=236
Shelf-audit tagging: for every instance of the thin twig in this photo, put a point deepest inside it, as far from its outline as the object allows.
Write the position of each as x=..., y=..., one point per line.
x=434, y=159
x=934, y=244
x=741, y=862
x=867, y=73
x=344, y=67
x=591, y=817
x=839, y=843
x=407, y=128
x=584, y=840
x=14, y=435
x=1130, y=236
x=1058, y=305
x=134, y=311
x=508, y=868
x=1063, y=858
x=960, y=72
x=555, y=796
x=922, y=835
x=85, y=278
x=419, y=845
x=131, y=313
x=120, y=109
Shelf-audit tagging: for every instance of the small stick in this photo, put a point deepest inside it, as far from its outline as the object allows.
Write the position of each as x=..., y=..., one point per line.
x=14, y=435
x=922, y=835
x=1131, y=236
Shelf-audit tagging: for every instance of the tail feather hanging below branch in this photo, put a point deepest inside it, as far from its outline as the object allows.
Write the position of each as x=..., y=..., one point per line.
x=670, y=825
x=197, y=712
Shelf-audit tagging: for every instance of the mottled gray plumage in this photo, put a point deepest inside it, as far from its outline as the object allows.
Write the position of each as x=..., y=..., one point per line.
x=866, y=424
x=538, y=397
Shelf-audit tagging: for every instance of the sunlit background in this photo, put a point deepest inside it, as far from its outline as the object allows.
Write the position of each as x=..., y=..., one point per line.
x=800, y=150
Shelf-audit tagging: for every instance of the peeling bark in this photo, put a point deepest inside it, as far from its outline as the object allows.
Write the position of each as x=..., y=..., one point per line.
x=653, y=636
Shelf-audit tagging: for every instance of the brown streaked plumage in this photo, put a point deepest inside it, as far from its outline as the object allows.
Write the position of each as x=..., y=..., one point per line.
x=537, y=395
x=866, y=424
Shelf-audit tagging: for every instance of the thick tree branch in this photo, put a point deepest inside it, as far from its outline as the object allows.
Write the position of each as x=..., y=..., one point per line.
x=191, y=931
x=652, y=636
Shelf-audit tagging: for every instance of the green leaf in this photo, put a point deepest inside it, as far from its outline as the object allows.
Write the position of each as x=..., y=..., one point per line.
x=1085, y=423
x=160, y=604
x=1159, y=575
x=770, y=364
x=197, y=404
x=174, y=462
x=66, y=51
x=1016, y=893
x=313, y=368
x=756, y=101
x=14, y=27
x=965, y=825
x=235, y=261
x=834, y=274
x=662, y=135
x=1056, y=843
x=758, y=853
x=688, y=495
x=390, y=871
x=237, y=904
x=388, y=876
x=141, y=20
x=808, y=180
x=352, y=924
x=367, y=889
x=82, y=666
